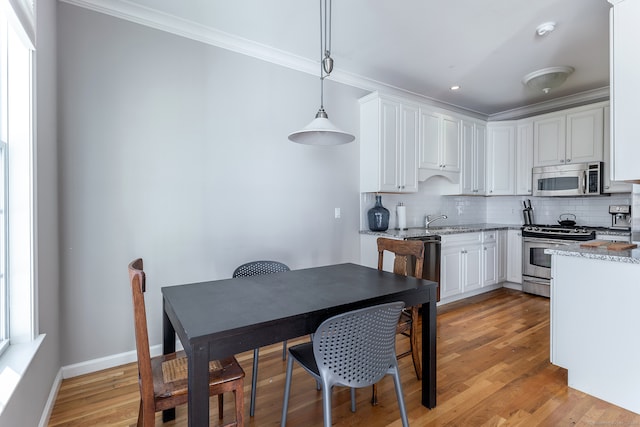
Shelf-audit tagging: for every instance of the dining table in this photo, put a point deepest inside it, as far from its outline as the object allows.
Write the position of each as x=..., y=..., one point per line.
x=220, y=318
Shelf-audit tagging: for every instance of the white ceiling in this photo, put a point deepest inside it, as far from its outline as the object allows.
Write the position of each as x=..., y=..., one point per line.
x=423, y=46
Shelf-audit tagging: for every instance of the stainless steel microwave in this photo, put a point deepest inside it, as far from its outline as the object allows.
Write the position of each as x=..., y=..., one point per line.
x=579, y=179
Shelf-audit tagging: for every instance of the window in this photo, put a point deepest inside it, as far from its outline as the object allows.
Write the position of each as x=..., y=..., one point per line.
x=16, y=275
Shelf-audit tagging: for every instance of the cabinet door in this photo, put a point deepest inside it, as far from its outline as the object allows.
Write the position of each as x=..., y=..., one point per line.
x=549, y=141
x=472, y=267
x=450, y=144
x=450, y=271
x=502, y=255
x=467, y=164
x=524, y=158
x=609, y=186
x=480, y=154
x=408, y=170
x=584, y=136
x=429, y=140
x=389, y=137
x=514, y=256
x=490, y=264
x=501, y=160
x=625, y=90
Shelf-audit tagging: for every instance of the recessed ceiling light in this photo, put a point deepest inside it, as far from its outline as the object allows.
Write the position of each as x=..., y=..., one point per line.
x=454, y=87
x=545, y=28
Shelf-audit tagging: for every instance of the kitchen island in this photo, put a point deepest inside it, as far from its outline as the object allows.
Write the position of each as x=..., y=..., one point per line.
x=595, y=294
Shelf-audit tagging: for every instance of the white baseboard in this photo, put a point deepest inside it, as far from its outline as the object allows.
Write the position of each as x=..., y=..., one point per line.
x=53, y=394
x=107, y=362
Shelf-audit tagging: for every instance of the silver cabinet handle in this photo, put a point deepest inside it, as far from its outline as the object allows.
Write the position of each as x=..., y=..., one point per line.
x=568, y=160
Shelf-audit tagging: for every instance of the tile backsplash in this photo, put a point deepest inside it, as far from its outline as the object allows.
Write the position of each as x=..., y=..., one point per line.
x=591, y=211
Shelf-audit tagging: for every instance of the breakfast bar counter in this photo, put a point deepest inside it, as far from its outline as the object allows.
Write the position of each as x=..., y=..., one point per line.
x=595, y=320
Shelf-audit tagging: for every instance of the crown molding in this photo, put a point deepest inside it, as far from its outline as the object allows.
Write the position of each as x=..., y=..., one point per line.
x=153, y=18
x=582, y=98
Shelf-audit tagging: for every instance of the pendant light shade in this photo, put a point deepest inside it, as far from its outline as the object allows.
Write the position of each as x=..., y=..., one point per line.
x=321, y=131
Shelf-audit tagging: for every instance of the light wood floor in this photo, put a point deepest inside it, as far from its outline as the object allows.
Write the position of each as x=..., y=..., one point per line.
x=493, y=370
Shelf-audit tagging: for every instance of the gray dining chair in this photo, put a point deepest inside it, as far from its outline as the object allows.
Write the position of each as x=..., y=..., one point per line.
x=354, y=349
x=255, y=268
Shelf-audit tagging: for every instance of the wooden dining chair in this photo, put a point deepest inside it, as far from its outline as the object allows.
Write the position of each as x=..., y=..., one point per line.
x=408, y=261
x=163, y=379
x=255, y=268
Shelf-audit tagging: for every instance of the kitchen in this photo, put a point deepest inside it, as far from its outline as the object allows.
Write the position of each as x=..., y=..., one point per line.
x=109, y=121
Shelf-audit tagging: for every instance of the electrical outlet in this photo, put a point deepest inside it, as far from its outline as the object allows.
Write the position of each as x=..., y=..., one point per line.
x=337, y=213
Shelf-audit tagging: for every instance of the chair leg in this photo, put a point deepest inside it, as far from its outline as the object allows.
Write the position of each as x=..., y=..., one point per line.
x=220, y=405
x=399, y=395
x=284, y=350
x=415, y=347
x=326, y=403
x=140, y=415
x=374, y=394
x=238, y=394
x=287, y=389
x=254, y=382
x=353, y=399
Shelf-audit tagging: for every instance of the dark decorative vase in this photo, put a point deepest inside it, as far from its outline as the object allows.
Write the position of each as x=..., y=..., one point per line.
x=378, y=216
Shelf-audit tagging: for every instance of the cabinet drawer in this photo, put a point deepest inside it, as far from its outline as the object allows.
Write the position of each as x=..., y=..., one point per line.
x=461, y=239
x=490, y=236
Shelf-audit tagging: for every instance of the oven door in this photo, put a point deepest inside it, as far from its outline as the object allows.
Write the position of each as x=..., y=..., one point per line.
x=535, y=262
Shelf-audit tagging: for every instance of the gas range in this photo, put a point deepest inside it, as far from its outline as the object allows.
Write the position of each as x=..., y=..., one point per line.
x=559, y=232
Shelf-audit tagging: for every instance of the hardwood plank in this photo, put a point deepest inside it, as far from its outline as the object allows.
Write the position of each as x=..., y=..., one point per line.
x=493, y=370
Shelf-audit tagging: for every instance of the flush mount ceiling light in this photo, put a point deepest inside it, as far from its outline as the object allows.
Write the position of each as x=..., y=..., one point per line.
x=547, y=79
x=545, y=28
x=321, y=131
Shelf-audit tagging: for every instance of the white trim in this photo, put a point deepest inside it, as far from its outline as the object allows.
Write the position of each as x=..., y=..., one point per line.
x=107, y=362
x=53, y=394
x=13, y=364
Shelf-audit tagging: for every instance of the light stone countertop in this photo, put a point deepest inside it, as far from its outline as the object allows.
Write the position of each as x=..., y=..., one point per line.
x=441, y=230
x=629, y=256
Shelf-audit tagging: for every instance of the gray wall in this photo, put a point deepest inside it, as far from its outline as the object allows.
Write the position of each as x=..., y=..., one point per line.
x=26, y=404
x=177, y=152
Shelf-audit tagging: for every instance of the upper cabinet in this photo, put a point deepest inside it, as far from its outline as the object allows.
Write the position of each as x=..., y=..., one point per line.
x=439, y=142
x=625, y=89
x=608, y=185
x=501, y=156
x=524, y=156
x=389, y=130
x=568, y=136
x=473, y=151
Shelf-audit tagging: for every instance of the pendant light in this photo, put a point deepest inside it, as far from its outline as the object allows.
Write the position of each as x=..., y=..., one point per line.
x=321, y=131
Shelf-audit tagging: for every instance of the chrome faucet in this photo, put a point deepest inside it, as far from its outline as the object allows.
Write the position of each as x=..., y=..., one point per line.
x=430, y=218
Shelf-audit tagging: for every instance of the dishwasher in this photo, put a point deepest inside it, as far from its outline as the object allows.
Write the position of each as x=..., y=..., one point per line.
x=431, y=268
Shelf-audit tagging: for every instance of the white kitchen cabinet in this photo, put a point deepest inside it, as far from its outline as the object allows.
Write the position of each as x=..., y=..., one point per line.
x=502, y=242
x=490, y=258
x=461, y=264
x=473, y=150
x=388, y=145
x=625, y=89
x=501, y=156
x=608, y=185
x=439, y=147
x=568, y=136
x=514, y=256
x=524, y=157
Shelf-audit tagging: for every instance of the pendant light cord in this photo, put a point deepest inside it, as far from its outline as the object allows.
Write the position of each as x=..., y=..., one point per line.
x=326, y=62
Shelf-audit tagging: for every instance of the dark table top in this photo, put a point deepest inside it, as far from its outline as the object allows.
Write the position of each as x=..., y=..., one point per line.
x=224, y=308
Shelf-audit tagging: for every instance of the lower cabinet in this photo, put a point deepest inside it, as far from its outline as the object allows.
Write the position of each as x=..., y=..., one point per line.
x=461, y=264
x=514, y=256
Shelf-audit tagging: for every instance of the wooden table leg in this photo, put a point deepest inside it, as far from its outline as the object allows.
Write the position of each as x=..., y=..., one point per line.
x=429, y=351
x=168, y=346
x=198, y=386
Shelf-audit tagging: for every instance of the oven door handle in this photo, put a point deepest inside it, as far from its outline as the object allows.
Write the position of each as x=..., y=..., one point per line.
x=536, y=280
x=538, y=240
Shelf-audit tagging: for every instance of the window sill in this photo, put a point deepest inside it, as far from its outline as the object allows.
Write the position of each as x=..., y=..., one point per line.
x=13, y=364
